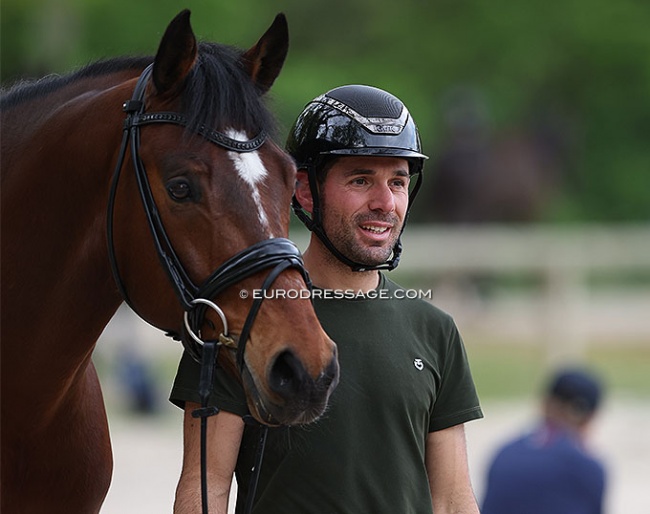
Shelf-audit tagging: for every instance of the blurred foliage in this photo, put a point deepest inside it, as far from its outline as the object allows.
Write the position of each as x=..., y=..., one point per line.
x=585, y=63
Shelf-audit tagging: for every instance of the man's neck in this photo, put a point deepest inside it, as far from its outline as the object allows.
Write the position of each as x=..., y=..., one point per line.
x=327, y=272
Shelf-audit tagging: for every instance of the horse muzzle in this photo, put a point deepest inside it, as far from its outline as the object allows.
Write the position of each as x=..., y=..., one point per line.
x=289, y=394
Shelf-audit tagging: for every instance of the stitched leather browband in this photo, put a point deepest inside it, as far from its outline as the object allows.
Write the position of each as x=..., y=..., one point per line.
x=211, y=135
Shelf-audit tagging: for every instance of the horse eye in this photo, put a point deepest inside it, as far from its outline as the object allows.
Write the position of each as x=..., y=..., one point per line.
x=179, y=190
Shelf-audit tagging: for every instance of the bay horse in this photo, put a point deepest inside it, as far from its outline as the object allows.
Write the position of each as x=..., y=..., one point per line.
x=86, y=225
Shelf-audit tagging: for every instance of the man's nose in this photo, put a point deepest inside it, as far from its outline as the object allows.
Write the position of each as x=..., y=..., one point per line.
x=381, y=198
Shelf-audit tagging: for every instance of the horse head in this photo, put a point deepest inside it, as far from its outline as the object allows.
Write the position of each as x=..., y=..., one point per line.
x=216, y=192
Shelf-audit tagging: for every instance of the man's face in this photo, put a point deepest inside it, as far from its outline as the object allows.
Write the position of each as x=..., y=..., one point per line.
x=364, y=201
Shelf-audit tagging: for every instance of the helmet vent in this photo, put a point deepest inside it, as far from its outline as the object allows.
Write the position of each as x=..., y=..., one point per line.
x=368, y=101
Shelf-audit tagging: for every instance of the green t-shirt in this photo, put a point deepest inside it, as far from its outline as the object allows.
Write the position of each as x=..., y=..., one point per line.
x=404, y=373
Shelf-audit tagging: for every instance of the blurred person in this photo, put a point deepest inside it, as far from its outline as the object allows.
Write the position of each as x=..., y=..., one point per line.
x=483, y=175
x=551, y=470
x=392, y=440
x=137, y=381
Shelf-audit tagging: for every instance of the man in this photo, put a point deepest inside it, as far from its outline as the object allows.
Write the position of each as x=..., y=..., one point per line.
x=550, y=470
x=392, y=440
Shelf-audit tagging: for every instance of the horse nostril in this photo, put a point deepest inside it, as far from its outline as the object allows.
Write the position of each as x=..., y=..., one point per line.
x=330, y=377
x=287, y=374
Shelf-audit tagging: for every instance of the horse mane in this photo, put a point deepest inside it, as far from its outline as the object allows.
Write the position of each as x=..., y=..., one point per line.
x=217, y=88
x=27, y=90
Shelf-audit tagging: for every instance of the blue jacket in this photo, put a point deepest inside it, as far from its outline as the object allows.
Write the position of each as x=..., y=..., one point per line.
x=547, y=471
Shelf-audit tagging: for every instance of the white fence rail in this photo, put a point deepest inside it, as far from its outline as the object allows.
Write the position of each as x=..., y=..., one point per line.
x=564, y=313
x=506, y=249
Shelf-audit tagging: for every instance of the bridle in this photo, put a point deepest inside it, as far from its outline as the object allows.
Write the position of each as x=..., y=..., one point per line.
x=278, y=254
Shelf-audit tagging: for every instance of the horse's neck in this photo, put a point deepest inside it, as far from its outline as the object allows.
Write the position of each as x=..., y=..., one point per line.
x=57, y=282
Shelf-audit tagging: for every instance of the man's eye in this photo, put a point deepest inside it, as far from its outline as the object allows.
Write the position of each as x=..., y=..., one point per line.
x=401, y=182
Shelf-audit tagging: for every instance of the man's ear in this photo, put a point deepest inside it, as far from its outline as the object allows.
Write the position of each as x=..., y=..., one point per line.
x=303, y=191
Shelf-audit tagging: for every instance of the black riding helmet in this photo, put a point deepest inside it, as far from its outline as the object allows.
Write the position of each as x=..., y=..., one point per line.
x=347, y=121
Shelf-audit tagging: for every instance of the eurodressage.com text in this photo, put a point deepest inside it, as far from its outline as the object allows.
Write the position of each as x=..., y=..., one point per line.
x=336, y=294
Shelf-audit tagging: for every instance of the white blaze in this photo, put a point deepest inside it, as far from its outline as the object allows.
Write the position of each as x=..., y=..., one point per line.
x=251, y=169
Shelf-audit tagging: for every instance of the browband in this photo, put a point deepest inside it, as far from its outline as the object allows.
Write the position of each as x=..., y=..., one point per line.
x=211, y=135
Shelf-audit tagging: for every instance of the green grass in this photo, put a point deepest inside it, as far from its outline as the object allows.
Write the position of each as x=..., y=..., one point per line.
x=507, y=371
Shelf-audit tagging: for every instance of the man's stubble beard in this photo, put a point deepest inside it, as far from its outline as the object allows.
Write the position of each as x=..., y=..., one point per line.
x=342, y=234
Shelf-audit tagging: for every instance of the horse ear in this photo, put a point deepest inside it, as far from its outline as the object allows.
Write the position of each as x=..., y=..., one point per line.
x=264, y=60
x=176, y=54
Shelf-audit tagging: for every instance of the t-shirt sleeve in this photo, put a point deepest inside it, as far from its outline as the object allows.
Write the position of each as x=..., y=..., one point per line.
x=227, y=393
x=457, y=401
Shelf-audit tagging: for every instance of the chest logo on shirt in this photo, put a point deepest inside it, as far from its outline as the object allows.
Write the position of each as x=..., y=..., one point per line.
x=419, y=365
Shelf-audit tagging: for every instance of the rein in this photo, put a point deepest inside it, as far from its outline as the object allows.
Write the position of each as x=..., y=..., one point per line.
x=278, y=254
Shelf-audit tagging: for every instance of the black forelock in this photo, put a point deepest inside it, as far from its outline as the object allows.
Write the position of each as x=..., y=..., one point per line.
x=219, y=93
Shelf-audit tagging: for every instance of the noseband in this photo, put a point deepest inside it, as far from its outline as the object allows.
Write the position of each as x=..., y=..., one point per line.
x=278, y=254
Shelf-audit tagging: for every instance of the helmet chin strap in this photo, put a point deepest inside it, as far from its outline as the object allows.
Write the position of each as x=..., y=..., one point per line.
x=315, y=225
x=357, y=266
